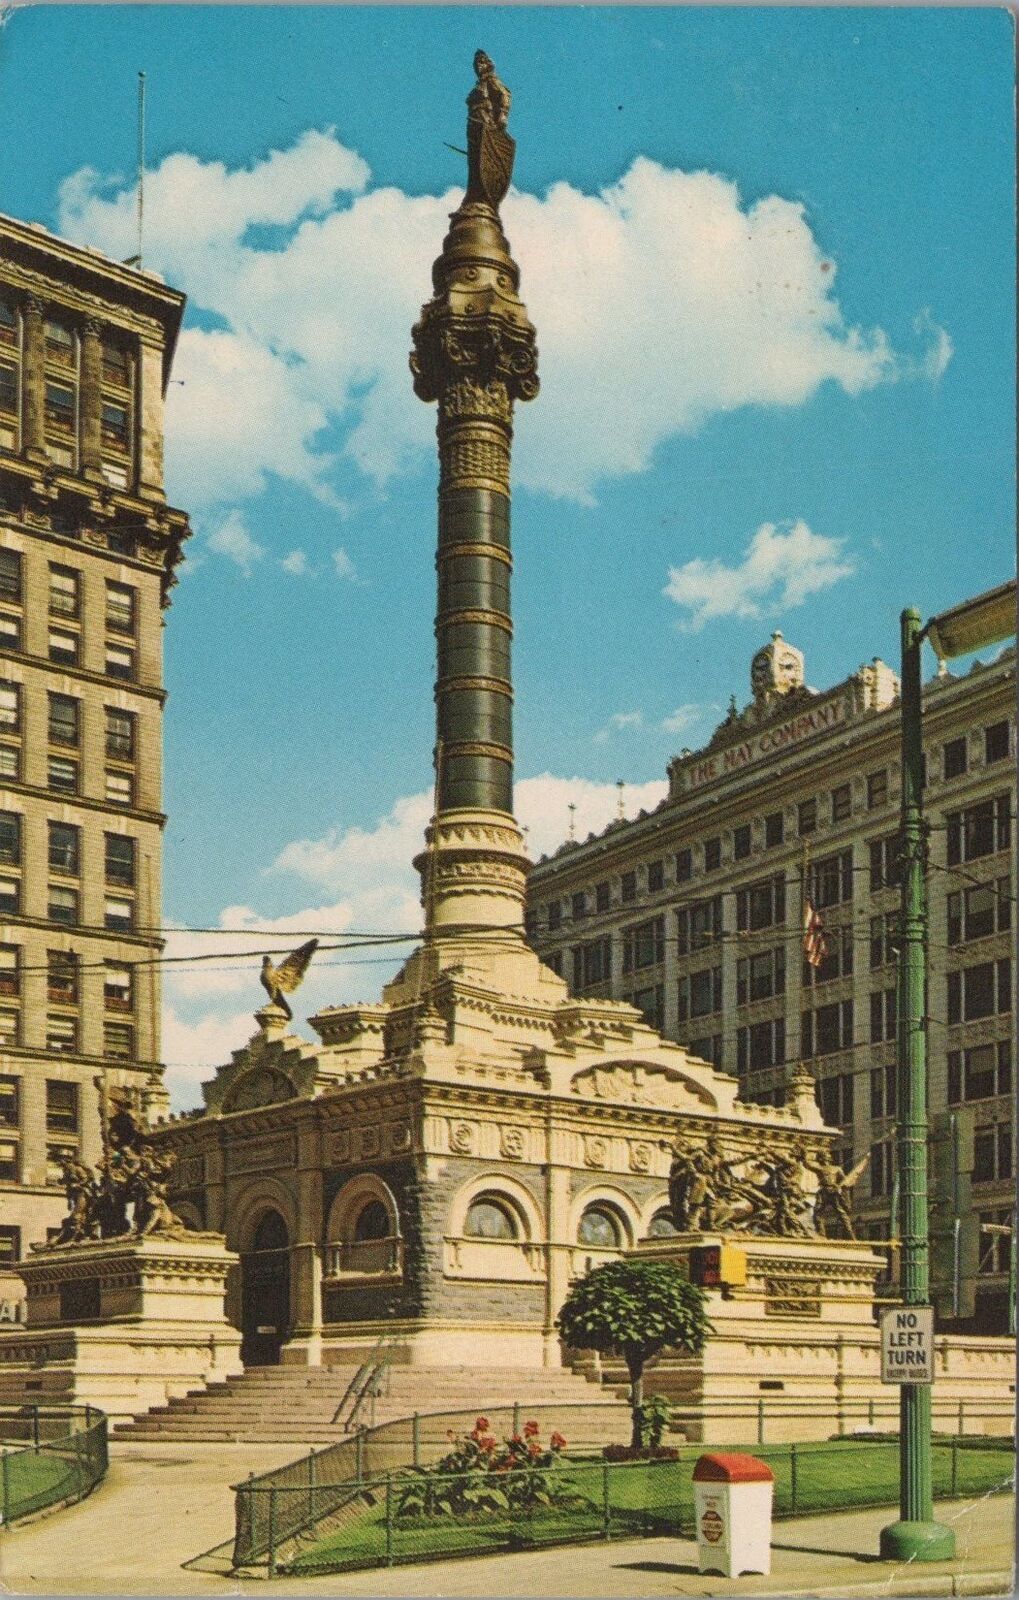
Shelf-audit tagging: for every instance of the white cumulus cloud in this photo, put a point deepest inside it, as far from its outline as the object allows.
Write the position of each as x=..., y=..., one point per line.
x=662, y=300
x=783, y=565
x=344, y=565
x=232, y=538
x=296, y=563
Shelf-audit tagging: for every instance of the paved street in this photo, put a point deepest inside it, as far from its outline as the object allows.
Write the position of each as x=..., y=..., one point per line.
x=161, y=1505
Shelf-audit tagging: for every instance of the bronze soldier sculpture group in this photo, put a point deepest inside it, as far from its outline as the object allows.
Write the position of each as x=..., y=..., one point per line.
x=131, y=1176
x=795, y=1193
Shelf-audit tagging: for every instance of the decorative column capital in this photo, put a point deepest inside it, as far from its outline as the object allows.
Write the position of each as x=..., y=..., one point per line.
x=33, y=306
x=92, y=328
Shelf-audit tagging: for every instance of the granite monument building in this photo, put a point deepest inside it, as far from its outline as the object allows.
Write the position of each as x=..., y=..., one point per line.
x=441, y=1164
x=88, y=547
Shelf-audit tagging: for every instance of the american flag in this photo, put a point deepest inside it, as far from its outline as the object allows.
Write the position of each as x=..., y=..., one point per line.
x=815, y=940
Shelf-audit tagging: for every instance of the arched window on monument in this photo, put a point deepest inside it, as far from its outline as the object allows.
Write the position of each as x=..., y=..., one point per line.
x=373, y=1222
x=601, y=1229
x=491, y=1218
x=662, y=1225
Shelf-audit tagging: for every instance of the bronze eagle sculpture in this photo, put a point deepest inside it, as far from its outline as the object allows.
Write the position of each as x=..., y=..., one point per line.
x=288, y=976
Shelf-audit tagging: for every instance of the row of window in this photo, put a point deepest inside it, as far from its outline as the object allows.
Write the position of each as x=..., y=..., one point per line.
x=64, y=850
x=64, y=646
x=981, y=829
x=64, y=729
x=63, y=979
x=61, y=384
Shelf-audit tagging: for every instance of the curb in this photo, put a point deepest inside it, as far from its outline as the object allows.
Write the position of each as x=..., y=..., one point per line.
x=914, y=1582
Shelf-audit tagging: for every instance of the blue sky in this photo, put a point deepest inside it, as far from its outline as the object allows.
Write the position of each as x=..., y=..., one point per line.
x=769, y=255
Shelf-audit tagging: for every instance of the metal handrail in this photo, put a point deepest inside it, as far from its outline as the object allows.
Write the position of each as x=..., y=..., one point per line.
x=357, y=1389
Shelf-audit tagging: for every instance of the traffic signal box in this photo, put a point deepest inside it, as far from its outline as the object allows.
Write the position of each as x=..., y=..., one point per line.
x=718, y=1266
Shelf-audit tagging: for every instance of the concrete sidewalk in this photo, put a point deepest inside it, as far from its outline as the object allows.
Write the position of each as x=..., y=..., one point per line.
x=163, y=1504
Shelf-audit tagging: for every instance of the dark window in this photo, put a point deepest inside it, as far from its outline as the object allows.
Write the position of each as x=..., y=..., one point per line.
x=644, y=944
x=10, y=896
x=600, y=1228
x=877, y=788
x=741, y=840
x=602, y=899
x=700, y=994
x=628, y=887
x=555, y=915
x=62, y=774
x=63, y=647
x=118, y=1041
x=884, y=936
x=762, y=905
x=8, y=387
x=63, y=905
x=118, y=915
x=10, y=576
x=119, y=662
x=62, y=977
x=841, y=803
x=64, y=848
x=996, y=742
x=807, y=816
x=114, y=424
x=59, y=343
x=763, y=1045
x=65, y=591
x=981, y=830
x=684, y=865
x=760, y=976
x=954, y=757
x=116, y=364
x=699, y=925
x=64, y=724
x=883, y=1014
x=833, y=879
x=118, y=988
x=10, y=977
x=655, y=876
x=650, y=1003
x=992, y=1153
x=578, y=906
x=882, y=1167
x=835, y=1096
x=837, y=961
x=885, y=862
x=8, y=324
x=10, y=1102
x=592, y=964
x=707, y=1049
x=10, y=838
x=59, y=406
x=980, y=1073
x=61, y=1105
x=774, y=829
x=827, y=1029
x=712, y=855
x=120, y=734
x=10, y=707
x=120, y=608
x=883, y=1091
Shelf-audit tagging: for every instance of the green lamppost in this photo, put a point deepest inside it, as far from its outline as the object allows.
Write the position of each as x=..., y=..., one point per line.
x=972, y=626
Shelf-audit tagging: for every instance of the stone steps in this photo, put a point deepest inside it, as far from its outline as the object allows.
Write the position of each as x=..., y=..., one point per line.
x=284, y=1404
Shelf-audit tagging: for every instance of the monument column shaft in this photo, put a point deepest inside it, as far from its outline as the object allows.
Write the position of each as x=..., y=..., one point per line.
x=474, y=690
x=474, y=354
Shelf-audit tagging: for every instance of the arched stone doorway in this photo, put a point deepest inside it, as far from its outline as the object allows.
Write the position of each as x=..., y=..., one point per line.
x=265, y=1292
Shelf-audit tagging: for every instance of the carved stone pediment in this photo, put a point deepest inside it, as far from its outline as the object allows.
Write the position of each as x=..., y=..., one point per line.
x=262, y=1086
x=642, y=1083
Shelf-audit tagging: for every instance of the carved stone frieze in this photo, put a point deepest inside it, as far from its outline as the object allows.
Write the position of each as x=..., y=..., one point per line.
x=463, y=1138
x=596, y=1152
x=512, y=1142
x=641, y=1156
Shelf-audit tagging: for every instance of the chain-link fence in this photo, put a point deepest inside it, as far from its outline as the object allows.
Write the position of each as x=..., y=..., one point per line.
x=421, y=1514
x=49, y=1454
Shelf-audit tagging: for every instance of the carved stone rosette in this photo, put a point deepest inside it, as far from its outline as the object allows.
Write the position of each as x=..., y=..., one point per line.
x=474, y=354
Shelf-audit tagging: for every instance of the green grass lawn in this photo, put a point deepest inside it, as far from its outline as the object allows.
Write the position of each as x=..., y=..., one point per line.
x=35, y=1481
x=643, y=1498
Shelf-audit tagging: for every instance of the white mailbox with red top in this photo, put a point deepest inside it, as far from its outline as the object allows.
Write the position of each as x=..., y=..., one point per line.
x=732, y=1504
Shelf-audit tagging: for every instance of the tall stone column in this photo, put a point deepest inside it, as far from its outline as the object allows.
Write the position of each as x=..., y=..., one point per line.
x=33, y=381
x=90, y=402
x=474, y=354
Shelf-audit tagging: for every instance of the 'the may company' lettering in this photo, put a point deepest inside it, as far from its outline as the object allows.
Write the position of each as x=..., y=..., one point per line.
x=819, y=719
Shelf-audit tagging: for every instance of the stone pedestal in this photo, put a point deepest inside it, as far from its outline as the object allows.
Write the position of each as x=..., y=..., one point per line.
x=122, y=1324
x=795, y=1351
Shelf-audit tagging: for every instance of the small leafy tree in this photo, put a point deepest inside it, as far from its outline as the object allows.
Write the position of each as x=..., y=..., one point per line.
x=634, y=1309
